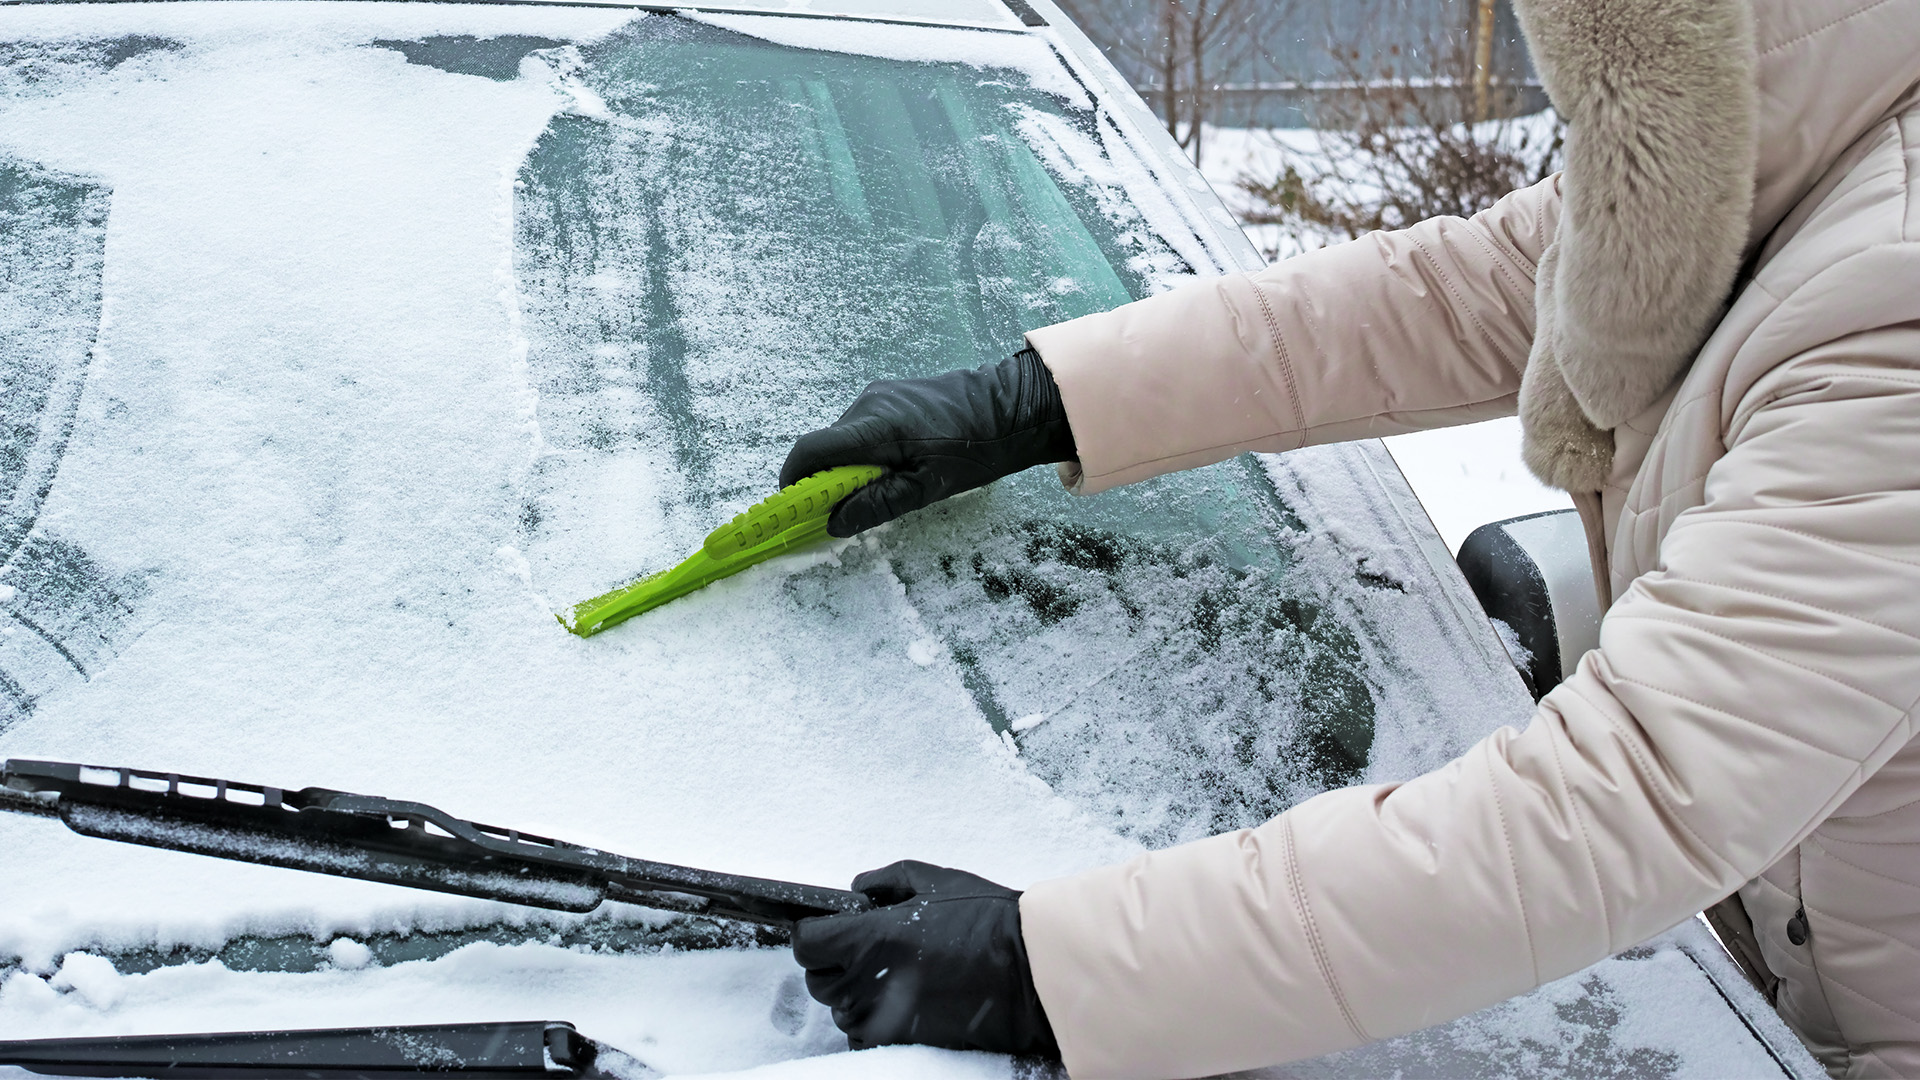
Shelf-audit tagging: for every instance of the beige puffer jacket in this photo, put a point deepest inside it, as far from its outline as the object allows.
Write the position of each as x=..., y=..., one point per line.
x=1748, y=721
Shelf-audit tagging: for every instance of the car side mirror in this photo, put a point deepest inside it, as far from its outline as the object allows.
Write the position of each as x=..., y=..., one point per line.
x=1535, y=581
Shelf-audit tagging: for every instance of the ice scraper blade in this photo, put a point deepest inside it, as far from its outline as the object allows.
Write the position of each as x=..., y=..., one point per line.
x=794, y=518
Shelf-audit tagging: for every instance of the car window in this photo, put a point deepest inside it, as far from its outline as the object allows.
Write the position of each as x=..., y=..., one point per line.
x=735, y=236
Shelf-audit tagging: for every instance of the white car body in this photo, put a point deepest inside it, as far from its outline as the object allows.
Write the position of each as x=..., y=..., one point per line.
x=336, y=365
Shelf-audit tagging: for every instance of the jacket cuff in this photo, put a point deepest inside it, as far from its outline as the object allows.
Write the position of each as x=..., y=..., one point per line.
x=1172, y=382
x=1189, y=961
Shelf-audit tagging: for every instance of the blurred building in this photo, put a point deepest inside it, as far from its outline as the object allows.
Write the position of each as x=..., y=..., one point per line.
x=1271, y=63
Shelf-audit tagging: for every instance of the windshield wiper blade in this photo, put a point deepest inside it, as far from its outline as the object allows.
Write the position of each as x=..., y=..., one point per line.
x=527, y=1048
x=388, y=840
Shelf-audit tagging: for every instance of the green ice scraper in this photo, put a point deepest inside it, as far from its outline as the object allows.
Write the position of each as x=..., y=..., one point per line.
x=788, y=521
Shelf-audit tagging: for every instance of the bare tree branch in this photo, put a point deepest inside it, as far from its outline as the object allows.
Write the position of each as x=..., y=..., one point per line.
x=1398, y=143
x=1188, y=49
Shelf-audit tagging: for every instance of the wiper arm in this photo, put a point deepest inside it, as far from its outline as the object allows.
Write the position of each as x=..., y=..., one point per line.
x=387, y=840
x=533, y=1049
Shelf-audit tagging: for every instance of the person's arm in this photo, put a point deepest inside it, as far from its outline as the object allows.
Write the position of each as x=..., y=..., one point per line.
x=1393, y=332
x=1396, y=331
x=1739, y=694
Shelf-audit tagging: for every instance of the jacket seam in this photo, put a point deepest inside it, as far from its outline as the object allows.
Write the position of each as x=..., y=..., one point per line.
x=1810, y=380
x=1586, y=842
x=1647, y=775
x=1821, y=29
x=1816, y=980
x=1502, y=252
x=1822, y=540
x=1679, y=488
x=1828, y=853
x=1828, y=977
x=1672, y=410
x=1849, y=759
x=1320, y=958
x=1286, y=361
x=1906, y=218
x=1855, y=817
x=1737, y=643
x=1831, y=268
x=1460, y=304
x=1513, y=867
x=1803, y=603
x=1500, y=268
x=1490, y=238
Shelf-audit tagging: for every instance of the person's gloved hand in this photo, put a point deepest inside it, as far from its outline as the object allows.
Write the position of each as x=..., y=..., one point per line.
x=942, y=964
x=937, y=437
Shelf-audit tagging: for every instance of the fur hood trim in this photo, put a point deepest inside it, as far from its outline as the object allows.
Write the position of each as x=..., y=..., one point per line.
x=1661, y=102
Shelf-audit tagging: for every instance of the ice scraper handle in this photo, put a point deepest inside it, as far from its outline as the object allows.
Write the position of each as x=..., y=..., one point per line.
x=937, y=437
x=793, y=518
x=387, y=840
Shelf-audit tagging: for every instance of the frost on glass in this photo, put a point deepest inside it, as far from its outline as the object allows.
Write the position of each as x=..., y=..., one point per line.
x=726, y=238
x=1651, y=1012
x=59, y=612
x=497, y=58
x=29, y=67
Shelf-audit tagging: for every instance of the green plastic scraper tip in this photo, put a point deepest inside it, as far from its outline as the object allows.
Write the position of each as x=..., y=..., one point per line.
x=788, y=521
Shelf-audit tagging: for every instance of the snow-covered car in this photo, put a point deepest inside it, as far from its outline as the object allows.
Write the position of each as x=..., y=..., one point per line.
x=342, y=344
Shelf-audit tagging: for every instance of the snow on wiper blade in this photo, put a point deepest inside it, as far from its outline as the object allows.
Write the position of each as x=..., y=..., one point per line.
x=528, y=1048
x=391, y=841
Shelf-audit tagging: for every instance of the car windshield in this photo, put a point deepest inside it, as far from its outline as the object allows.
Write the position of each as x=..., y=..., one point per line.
x=341, y=345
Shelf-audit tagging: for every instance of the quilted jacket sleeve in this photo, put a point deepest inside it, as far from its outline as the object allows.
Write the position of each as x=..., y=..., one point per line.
x=1393, y=332
x=1741, y=691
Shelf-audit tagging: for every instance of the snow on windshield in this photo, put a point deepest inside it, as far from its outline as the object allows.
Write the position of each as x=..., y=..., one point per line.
x=345, y=342
x=304, y=434
x=1024, y=53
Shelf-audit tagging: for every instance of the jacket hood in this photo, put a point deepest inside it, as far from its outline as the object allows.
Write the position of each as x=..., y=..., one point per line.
x=1694, y=127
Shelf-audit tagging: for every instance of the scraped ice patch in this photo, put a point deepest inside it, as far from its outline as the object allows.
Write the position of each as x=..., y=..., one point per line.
x=1024, y=53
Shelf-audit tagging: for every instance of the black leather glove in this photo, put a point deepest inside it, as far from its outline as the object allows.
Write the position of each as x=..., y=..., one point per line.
x=937, y=437
x=941, y=965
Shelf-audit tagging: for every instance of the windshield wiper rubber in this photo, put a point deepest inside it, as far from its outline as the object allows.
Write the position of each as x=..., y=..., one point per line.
x=391, y=841
x=528, y=1048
